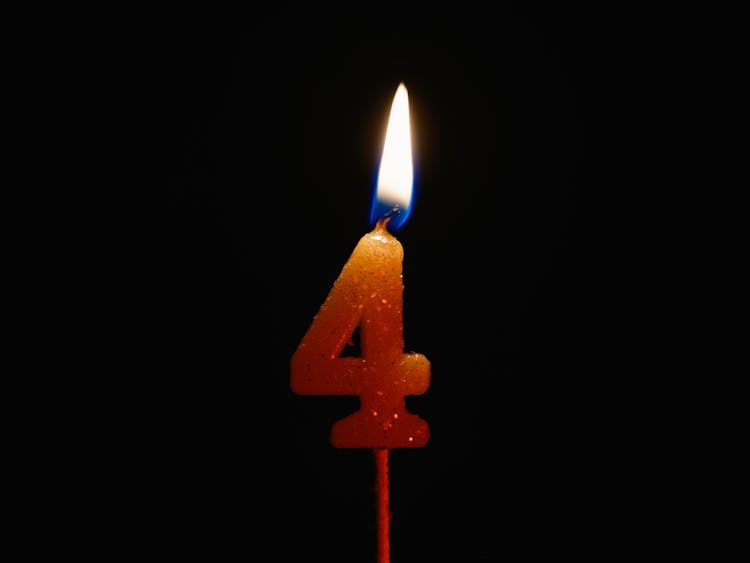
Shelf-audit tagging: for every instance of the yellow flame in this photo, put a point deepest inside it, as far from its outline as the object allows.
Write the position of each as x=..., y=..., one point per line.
x=396, y=175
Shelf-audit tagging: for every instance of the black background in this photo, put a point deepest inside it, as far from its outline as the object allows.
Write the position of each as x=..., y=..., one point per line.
x=250, y=142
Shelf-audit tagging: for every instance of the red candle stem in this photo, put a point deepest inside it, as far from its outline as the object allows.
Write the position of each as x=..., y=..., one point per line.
x=382, y=502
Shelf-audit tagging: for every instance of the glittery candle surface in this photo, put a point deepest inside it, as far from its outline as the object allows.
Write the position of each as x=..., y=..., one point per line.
x=368, y=295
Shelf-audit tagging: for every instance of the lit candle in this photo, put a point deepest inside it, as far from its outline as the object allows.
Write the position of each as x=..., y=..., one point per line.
x=368, y=296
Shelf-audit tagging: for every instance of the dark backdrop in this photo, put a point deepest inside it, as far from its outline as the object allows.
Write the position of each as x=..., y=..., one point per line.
x=253, y=139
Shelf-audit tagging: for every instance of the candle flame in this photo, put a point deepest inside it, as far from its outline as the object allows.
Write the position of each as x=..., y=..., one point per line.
x=393, y=193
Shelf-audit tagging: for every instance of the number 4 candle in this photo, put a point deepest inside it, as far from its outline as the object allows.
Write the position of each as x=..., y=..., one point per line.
x=368, y=297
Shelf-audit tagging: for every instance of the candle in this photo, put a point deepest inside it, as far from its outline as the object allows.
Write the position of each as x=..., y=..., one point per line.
x=367, y=297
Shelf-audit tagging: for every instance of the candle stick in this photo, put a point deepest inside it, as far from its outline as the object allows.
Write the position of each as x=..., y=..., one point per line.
x=383, y=511
x=368, y=297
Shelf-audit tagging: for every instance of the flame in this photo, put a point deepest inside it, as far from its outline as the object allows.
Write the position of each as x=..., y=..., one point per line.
x=396, y=175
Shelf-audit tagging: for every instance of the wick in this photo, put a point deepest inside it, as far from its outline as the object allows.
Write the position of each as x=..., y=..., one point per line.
x=385, y=219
